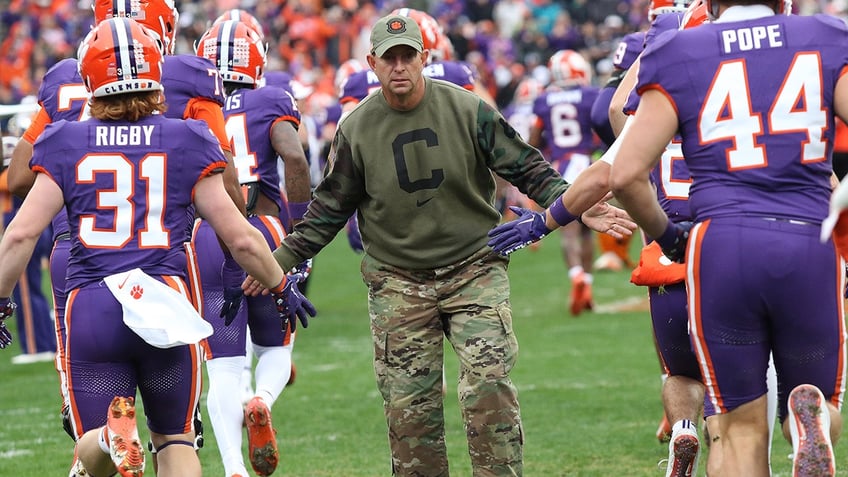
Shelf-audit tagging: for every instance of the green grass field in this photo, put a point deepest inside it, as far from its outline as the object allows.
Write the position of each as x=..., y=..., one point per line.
x=589, y=387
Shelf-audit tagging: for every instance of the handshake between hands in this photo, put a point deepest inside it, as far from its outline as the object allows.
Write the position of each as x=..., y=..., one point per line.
x=530, y=226
x=292, y=305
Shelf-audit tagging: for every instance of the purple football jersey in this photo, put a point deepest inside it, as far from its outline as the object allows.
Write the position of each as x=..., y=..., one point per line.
x=565, y=115
x=455, y=72
x=672, y=179
x=127, y=187
x=280, y=79
x=63, y=96
x=250, y=114
x=62, y=93
x=334, y=113
x=743, y=145
x=661, y=24
x=628, y=50
x=186, y=77
x=359, y=85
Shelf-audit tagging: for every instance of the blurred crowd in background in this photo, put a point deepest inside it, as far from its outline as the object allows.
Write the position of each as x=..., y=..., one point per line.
x=505, y=40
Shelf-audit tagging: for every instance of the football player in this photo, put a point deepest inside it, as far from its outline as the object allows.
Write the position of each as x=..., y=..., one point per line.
x=194, y=90
x=262, y=125
x=615, y=254
x=563, y=126
x=757, y=144
x=128, y=177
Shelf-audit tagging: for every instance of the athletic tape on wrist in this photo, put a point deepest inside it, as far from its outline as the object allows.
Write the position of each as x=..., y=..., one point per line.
x=668, y=236
x=560, y=214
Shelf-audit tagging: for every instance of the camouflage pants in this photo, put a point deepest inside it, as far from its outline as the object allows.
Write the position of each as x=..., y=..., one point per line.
x=412, y=312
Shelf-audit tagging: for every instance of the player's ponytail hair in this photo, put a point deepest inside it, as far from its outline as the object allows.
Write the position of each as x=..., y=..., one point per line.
x=128, y=107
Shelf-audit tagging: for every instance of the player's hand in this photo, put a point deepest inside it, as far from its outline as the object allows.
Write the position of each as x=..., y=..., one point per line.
x=7, y=308
x=353, y=237
x=232, y=277
x=292, y=305
x=673, y=240
x=516, y=234
x=608, y=219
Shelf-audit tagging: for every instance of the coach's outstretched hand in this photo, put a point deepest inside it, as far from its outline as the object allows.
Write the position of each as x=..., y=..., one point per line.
x=516, y=234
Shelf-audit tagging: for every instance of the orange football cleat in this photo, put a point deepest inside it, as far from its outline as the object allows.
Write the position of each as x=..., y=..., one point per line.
x=261, y=437
x=124, y=445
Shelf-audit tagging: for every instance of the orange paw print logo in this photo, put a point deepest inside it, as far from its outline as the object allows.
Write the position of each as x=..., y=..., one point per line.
x=137, y=291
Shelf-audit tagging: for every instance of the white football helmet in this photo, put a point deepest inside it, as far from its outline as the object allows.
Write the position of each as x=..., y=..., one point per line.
x=569, y=67
x=528, y=90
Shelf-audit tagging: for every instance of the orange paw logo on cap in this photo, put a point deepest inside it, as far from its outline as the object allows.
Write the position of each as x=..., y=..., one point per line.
x=137, y=291
x=396, y=26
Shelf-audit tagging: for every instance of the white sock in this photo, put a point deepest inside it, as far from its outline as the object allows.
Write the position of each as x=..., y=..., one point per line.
x=273, y=369
x=248, y=356
x=225, y=409
x=587, y=277
x=683, y=424
x=102, y=440
x=771, y=400
x=575, y=272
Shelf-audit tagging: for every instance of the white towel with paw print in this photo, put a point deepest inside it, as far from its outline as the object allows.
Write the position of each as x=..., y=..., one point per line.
x=157, y=313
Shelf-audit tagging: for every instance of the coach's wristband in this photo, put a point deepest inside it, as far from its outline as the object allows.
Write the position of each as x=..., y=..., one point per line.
x=560, y=214
x=298, y=209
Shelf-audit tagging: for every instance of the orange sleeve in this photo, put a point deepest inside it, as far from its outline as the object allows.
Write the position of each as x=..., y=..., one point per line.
x=39, y=122
x=207, y=110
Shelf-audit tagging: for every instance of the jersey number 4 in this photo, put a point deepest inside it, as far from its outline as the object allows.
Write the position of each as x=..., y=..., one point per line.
x=727, y=112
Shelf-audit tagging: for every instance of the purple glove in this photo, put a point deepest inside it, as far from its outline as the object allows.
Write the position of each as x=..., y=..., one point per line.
x=292, y=305
x=304, y=268
x=7, y=308
x=353, y=237
x=673, y=240
x=516, y=234
x=232, y=276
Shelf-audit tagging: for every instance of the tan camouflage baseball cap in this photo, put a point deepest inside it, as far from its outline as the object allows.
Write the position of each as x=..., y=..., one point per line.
x=394, y=30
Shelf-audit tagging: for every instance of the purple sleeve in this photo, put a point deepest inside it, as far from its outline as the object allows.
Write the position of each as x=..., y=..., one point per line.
x=186, y=77
x=600, y=116
x=651, y=65
x=663, y=23
x=454, y=72
x=62, y=93
x=358, y=85
x=628, y=50
x=280, y=79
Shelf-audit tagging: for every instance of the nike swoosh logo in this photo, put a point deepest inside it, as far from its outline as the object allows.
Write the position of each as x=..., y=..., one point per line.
x=422, y=202
x=121, y=286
